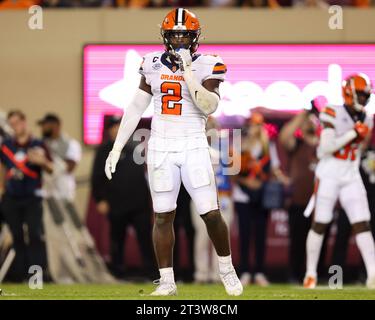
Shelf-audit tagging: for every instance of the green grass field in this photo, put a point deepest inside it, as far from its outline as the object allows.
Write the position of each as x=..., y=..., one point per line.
x=185, y=292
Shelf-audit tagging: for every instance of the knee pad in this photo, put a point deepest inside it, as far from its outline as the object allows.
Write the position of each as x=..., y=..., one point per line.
x=163, y=205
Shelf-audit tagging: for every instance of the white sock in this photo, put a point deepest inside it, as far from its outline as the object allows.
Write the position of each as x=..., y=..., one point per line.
x=365, y=243
x=225, y=264
x=167, y=274
x=313, y=246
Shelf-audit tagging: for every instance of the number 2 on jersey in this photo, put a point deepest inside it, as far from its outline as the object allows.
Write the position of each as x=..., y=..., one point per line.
x=169, y=102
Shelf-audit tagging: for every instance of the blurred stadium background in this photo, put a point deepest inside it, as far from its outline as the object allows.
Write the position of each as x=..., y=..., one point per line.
x=59, y=68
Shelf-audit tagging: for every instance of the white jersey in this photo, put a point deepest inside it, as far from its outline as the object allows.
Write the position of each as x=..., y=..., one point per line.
x=177, y=123
x=343, y=164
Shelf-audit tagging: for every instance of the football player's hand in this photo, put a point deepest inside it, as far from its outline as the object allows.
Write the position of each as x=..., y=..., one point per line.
x=184, y=57
x=361, y=129
x=111, y=162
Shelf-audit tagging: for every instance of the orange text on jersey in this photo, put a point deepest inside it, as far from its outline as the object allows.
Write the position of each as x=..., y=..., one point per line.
x=171, y=77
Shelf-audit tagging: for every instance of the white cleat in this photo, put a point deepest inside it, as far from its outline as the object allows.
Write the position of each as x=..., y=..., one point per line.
x=232, y=284
x=370, y=283
x=164, y=288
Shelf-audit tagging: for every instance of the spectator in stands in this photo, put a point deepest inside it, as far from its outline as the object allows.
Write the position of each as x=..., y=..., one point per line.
x=259, y=162
x=311, y=3
x=125, y=200
x=206, y=267
x=174, y=3
x=219, y=3
x=23, y=159
x=260, y=3
x=5, y=132
x=301, y=151
x=72, y=3
x=66, y=154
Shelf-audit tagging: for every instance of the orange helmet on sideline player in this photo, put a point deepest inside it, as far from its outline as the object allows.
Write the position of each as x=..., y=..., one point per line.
x=180, y=29
x=356, y=90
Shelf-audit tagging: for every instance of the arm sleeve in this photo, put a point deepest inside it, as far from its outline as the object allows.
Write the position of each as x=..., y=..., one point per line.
x=204, y=99
x=131, y=118
x=329, y=143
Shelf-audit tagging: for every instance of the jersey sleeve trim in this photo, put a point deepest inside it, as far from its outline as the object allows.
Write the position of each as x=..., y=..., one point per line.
x=329, y=111
x=219, y=68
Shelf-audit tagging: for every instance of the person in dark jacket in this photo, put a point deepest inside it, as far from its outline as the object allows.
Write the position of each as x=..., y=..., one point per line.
x=125, y=200
x=23, y=159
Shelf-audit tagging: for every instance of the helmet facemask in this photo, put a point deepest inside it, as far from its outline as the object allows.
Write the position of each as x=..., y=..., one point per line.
x=180, y=39
x=360, y=98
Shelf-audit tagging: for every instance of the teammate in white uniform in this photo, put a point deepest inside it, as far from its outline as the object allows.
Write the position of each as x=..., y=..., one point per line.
x=337, y=175
x=185, y=88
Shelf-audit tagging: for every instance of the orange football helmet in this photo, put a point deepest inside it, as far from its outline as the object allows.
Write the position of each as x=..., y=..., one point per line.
x=356, y=90
x=180, y=29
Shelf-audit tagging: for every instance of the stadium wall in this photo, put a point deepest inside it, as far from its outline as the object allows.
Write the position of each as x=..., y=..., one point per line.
x=40, y=70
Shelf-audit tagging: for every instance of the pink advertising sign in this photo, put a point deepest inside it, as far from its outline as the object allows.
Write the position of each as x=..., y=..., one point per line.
x=275, y=76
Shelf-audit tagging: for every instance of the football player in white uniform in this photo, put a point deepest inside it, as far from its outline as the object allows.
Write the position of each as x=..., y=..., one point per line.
x=185, y=88
x=345, y=129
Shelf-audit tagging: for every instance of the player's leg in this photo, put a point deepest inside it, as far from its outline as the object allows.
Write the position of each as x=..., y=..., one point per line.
x=354, y=200
x=165, y=181
x=326, y=195
x=199, y=180
x=201, y=247
x=226, y=210
x=163, y=238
